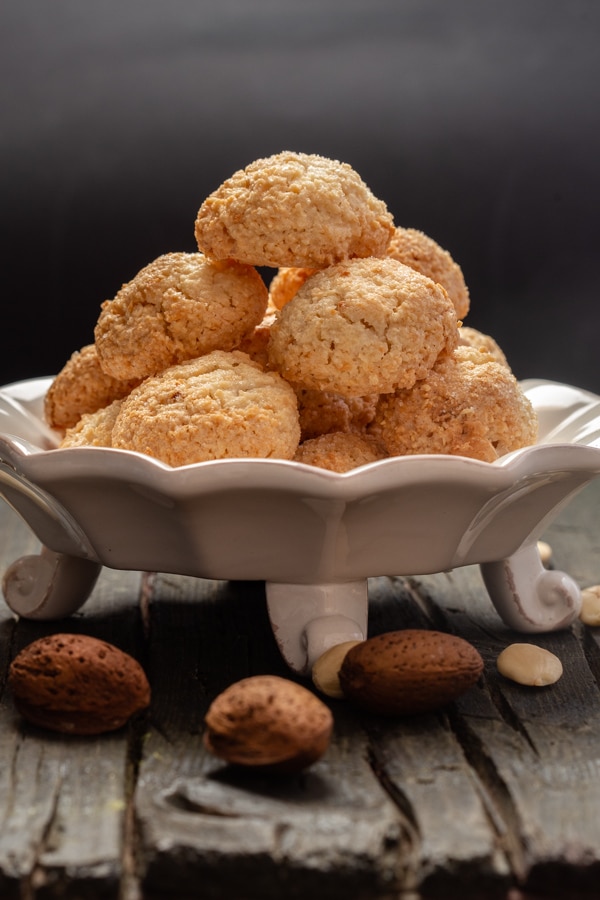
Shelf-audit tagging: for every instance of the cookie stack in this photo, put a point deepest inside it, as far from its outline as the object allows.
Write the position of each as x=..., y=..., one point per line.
x=354, y=352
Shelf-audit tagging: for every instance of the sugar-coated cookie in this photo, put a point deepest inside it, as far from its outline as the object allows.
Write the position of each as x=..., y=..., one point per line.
x=179, y=306
x=421, y=252
x=93, y=429
x=471, y=337
x=286, y=283
x=361, y=327
x=293, y=209
x=468, y=405
x=81, y=387
x=217, y=406
x=340, y=451
x=256, y=344
x=322, y=412
x=356, y=350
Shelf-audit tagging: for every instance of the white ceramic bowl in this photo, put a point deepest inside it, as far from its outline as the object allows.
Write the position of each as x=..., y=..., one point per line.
x=312, y=535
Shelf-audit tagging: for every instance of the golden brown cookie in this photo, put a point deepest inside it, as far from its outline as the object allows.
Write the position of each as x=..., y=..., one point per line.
x=468, y=405
x=340, y=451
x=322, y=412
x=81, y=387
x=217, y=406
x=93, y=429
x=362, y=327
x=471, y=337
x=420, y=252
x=293, y=209
x=256, y=345
x=180, y=306
x=286, y=283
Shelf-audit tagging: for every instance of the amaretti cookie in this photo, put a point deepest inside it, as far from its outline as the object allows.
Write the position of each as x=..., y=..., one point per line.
x=355, y=350
x=468, y=405
x=218, y=406
x=322, y=412
x=286, y=283
x=364, y=326
x=293, y=209
x=93, y=429
x=421, y=252
x=256, y=345
x=180, y=306
x=471, y=337
x=340, y=451
x=81, y=387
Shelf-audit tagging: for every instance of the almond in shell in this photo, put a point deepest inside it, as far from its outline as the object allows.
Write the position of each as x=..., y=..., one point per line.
x=409, y=671
x=270, y=722
x=77, y=684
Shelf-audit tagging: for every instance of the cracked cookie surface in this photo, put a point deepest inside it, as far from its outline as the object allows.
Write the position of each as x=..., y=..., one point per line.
x=468, y=405
x=81, y=387
x=322, y=412
x=178, y=307
x=471, y=337
x=221, y=405
x=293, y=209
x=340, y=451
x=421, y=252
x=361, y=327
x=94, y=429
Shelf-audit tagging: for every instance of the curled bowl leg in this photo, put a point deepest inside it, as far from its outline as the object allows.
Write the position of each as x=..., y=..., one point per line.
x=528, y=597
x=48, y=585
x=308, y=619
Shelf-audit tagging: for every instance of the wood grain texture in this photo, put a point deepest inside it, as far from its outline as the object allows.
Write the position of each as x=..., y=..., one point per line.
x=64, y=799
x=332, y=829
x=500, y=790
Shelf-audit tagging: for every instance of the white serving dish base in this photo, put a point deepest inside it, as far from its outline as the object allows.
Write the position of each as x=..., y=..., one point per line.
x=313, y=536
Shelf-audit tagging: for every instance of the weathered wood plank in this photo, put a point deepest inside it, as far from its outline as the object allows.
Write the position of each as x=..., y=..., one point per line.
x=475, y=759
x=423, y=762
x=63, y=799
x=332, y=830
x=537, y=751
x=500, y=788
x=575, y=539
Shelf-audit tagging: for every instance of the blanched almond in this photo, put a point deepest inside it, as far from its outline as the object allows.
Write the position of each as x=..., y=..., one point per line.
x=590, y=606
x=326, y=670
x=529, y=664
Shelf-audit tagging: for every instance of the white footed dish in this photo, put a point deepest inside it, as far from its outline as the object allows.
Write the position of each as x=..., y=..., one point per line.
x=312, y=535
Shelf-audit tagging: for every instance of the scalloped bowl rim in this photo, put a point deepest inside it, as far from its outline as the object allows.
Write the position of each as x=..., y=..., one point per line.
x=128, y=510
x=38, y=462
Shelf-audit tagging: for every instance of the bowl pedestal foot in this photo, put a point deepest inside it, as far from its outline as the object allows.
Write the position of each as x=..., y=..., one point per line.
x=528, y=597
x=48, y=585
x=308, y=619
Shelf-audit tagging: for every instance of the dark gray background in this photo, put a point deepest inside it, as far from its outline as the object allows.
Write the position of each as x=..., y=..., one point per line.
x=477, y=122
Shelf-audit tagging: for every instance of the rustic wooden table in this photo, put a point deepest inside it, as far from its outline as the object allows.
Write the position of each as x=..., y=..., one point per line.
x=497, y=795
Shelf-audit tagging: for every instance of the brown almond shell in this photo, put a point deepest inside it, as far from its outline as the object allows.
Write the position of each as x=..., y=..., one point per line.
x=77, y=684
x=268, y=721
x=409, y=671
